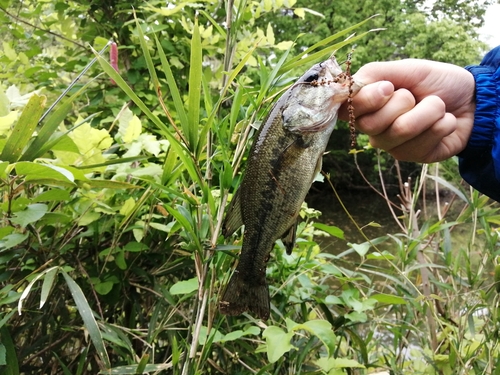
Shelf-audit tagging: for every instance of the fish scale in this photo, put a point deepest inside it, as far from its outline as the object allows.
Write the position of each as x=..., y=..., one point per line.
x=283, y=162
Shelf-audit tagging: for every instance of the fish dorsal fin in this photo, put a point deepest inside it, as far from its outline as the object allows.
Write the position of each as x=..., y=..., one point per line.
x=288, y=238
x=233, y=218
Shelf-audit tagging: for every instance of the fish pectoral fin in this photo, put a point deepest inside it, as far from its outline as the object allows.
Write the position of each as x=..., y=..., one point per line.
x=288, y=238
x=233, y=218
x=291, y=152
x=319, y=165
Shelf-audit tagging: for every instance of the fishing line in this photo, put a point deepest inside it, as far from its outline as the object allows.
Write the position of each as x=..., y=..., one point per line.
x=74, y=82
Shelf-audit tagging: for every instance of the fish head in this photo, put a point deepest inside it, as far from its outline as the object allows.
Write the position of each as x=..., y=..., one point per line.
x=312, y=103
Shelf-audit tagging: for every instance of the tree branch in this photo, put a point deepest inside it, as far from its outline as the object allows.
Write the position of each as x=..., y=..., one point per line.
x=41, y=29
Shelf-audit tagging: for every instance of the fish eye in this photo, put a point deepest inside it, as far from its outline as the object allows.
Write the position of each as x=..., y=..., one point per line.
x=312, y=78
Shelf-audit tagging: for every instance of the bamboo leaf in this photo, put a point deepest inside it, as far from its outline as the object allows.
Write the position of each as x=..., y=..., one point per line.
x=449, y=186
x=24, y=128
x=12, y=363
x=195, y=73
x=109, y=184
x=27, y=291
x=88, y=318
x=172, y=85
x=146, y=54
x=40, y=144
x=322, y=54
x=211, y=118
x=48, y=281
x=112, y=162
x=180, y=149
x=132, y=369
x=323, y=42
x=186, y=225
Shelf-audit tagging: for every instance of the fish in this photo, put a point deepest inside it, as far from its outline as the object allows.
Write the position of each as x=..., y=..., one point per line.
x=284, y=159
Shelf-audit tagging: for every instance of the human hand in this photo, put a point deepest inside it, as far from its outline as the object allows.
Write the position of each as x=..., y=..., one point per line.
x=417, y=110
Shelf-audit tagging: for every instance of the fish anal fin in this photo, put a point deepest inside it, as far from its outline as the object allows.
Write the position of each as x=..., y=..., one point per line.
x=233, y=218
x=288, y=238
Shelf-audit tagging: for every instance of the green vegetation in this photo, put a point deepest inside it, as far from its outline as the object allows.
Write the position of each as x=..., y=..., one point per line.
x=111, y=258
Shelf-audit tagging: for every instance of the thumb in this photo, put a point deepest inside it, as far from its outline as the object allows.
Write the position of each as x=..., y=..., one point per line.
x=402, y=73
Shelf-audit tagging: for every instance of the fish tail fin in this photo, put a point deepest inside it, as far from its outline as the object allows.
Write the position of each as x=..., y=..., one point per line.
x=241, y=295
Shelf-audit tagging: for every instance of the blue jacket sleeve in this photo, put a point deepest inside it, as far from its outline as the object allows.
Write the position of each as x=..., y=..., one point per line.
x=479, y=163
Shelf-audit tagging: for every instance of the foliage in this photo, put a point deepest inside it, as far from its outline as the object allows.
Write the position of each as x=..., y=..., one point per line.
x=112, y=206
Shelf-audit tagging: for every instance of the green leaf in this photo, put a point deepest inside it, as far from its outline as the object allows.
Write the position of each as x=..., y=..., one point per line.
x=389, y=299
x=104, y=287
x=449, y=186
x=213, y=336
x=48, y=281
x=195, y=73
x=120, y=260
x=127, y=207
x=27, y=291
x=52, y=195
x=308, y=55
x=185, y=286
x=330, y=229
x=185, y=223
x=278, y=342
x=300, y=12
x=4, y=104
x=108, y=184
x=31, y=214
x=6, y=318
x=180, y=148
x=333, y=300
x=132, y=369
x=3, y=168
x=6, y=122
x=135, y=247
x=88, y=318
x=130, y=127
x=12, y=363
x=361, y=249
x=12, y=240
x=322, y=329
x=172, y=85
x=23, y=129
x=42, y=143
x=385, y=255
x=231, y=336
x=43, y=172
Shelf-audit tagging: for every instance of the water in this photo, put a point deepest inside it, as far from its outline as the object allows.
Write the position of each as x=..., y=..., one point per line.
x=364, y=207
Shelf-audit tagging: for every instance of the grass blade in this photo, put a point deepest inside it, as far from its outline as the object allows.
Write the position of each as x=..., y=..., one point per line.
x=88, y=318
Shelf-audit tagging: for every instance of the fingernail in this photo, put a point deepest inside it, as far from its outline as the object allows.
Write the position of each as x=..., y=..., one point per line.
x=385, y=88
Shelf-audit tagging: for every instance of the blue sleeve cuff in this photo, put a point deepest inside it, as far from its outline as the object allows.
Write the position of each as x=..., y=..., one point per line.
x=479, y=163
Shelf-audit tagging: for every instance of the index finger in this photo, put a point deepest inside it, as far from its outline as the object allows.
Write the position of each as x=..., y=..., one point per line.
x=369, y=99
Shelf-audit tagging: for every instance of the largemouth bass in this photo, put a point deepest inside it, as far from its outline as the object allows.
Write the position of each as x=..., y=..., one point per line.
x=283, y=162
